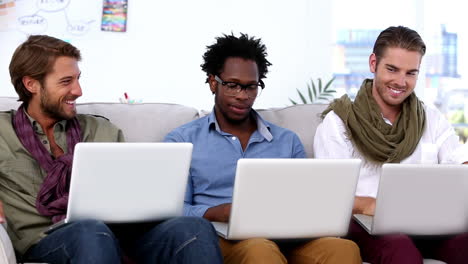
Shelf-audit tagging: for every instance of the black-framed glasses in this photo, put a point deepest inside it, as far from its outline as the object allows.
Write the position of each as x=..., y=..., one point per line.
x=252, y=90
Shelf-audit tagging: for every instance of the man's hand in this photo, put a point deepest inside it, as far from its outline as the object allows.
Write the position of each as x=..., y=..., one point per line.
x=2, y=215
x=364, y=205
x=218, y=213
x=466, y=162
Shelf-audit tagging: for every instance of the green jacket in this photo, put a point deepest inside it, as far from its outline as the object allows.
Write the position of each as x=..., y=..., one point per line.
x=21, y=177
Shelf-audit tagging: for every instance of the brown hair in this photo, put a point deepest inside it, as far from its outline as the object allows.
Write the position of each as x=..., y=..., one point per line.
x=35, y=58
x=398, y=37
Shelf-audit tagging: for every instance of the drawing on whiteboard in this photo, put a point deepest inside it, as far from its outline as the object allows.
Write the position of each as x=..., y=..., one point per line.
x=36, y=23
x=52, y=5
x=33, y=24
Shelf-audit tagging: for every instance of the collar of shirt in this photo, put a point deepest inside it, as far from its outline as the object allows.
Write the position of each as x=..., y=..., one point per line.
x=386, y=120
x=263, y=127
x=59, y=126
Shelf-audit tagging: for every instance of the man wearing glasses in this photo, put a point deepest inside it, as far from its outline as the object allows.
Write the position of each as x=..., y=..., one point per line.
x=235, y=67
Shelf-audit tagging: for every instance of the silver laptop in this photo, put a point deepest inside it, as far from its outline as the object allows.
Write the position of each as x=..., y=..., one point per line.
x=128, y=182
x=420, y=199
x=291, y=198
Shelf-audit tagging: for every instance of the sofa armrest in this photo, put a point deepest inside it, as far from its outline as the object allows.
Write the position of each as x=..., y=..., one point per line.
x=7, y=253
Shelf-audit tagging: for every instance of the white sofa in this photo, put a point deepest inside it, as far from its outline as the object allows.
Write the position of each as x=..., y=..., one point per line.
x=150, y=122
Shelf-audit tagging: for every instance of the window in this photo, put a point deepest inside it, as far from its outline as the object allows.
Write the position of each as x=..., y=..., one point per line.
x=443, y=79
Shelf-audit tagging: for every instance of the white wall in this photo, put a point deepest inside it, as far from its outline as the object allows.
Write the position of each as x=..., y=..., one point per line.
x=158, y=58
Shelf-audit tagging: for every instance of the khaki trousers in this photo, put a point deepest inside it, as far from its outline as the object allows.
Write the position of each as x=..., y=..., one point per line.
x=259, y=250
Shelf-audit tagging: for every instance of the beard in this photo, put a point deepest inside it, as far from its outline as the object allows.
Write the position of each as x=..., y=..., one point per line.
x=384, y=94
x=53, y=109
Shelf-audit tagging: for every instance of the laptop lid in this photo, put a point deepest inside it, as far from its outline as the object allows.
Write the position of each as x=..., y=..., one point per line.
x=128, y=182
x=292, y=198
x=421, y=199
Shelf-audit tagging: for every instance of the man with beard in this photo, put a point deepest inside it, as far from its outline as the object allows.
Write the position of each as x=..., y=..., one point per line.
x=235, y=67
x=387, y=123
x=36, y=151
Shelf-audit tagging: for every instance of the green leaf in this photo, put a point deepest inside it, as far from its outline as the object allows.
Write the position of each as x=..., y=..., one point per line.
x=320, y=85
x=316, y=92
x=309, y=91
x=314, y=89
x=329, y=83
x=304, y=101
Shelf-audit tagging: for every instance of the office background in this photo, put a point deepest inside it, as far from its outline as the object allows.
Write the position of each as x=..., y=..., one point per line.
x=158, y=58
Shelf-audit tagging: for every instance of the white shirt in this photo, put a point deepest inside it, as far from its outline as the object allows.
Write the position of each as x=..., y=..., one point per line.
x=438, y=144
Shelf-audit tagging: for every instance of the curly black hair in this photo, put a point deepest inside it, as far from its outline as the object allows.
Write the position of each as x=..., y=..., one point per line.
x=227, y=46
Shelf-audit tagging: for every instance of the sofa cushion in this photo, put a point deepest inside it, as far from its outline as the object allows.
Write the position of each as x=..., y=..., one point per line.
x=302, y=119
x=149, y=122
x=8, y=103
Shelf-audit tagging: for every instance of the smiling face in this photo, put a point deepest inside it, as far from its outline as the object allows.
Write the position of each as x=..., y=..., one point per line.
x=395, y=76
x=54, y=99
x=234, y=109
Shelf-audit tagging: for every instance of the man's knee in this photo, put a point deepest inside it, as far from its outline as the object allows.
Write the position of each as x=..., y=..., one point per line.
x=189, y=226
x=91, y=226
x=398, y=243
x=256, y=250
x=191, y=223
x=398, y=248
x=91, y=231
x=258, y=245
x=343, y=247
x=327, y=250
x=85, y=241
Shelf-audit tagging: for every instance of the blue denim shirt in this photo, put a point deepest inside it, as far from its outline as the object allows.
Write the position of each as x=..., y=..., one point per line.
x=215, y=155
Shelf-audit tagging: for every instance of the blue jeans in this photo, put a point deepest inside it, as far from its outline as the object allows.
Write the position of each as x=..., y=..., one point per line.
x=178, y=240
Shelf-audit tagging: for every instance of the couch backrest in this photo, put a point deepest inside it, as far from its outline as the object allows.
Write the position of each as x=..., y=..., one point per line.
x=7, y=103
x=150, y=122
x=302, y=119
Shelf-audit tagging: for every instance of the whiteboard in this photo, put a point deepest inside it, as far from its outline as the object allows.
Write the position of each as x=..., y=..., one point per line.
x=158, y=58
